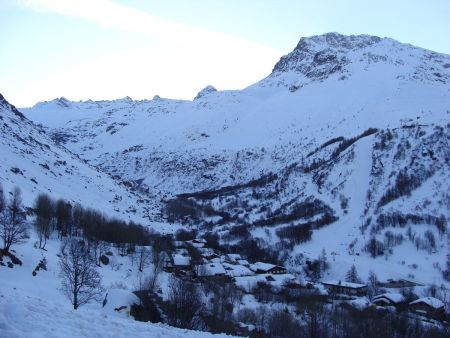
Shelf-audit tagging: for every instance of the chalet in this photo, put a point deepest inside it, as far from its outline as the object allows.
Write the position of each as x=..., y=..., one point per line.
x=236, y=270
x=208, y=253
x=211, y=271
x=249, y=283
x=427, y=306
x=243, y=262
x=260, y=268
x=181, y=261
x=399, y=283
x=233, y=258
x=388, y=299
x=339, y=287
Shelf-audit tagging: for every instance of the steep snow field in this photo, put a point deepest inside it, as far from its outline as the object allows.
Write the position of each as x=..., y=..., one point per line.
x=32, y=161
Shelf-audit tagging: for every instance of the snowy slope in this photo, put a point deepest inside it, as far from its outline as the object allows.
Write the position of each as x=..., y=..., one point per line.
x=34, y=306
x=329, y=86
x=32, y=161
x=305, y=123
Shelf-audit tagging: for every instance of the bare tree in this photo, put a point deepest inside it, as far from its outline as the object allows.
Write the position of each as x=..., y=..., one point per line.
x=195, y=257
x=143, y=256
x=282, y=324
x=157, y=266
x=226, y=297
x=12, y=221
x=185, y=303
x=63, y=215
x=80, y=280
x=43, y=207
x=372, y=285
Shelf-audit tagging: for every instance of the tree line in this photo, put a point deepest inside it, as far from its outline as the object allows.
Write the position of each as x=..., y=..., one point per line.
x=93, y=226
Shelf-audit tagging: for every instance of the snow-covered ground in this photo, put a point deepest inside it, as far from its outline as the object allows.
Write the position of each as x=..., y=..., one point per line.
x=34, y=306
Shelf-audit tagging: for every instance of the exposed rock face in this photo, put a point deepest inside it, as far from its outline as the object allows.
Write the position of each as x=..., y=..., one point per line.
x=205, y=91
x=322, y=55
x=8, y=106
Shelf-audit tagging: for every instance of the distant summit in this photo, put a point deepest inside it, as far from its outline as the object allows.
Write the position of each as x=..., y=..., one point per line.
x=339, y=56
x=322, y=55
x=205, y=91
x=63, y=102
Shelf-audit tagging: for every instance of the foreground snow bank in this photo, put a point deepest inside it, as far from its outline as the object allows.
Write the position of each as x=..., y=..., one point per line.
x=25, y=316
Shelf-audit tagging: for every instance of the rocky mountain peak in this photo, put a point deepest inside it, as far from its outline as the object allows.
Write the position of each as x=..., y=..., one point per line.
x=318, y=57
x=336, y=41
x=63, y=102
x=321, y=55
x=205, y=91
x=8, y=106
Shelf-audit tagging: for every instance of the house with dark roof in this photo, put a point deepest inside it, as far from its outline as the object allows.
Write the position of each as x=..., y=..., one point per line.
x=260, y=268
x=428, y=306
x=388, y=299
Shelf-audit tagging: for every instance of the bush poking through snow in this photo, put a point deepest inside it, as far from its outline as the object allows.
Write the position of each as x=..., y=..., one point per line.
x=42, y=265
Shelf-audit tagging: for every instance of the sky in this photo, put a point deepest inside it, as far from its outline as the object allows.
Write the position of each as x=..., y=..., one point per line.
x=108, y=49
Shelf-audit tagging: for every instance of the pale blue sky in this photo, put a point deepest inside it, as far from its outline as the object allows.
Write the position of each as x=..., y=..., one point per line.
x=98, y=49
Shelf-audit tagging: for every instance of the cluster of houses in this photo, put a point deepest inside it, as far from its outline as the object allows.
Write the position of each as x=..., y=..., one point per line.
x=233, y=268
x=425, y=306
x=227, y=268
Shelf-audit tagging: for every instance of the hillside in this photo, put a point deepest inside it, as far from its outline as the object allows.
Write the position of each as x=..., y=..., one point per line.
x=348, y=137
x=33, y=162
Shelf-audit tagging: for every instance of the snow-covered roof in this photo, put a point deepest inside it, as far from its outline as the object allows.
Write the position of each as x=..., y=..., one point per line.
x=431, y=301
x=249, y=282
x=234, y=257
x=206, y=252
x=243, y=262
x=344, y=284
x=197, y=242
x=215, y=260
x=211, y=269
x=283, y=278
x=237, y=270
x=181, y=260
x=393, y=297
x=263, y=266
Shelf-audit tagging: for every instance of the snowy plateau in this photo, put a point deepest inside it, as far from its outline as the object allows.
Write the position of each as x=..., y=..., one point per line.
x=343, y=150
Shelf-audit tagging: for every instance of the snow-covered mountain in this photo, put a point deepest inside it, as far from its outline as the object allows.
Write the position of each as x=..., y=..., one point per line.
x=33, y=162
x=348, y=135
